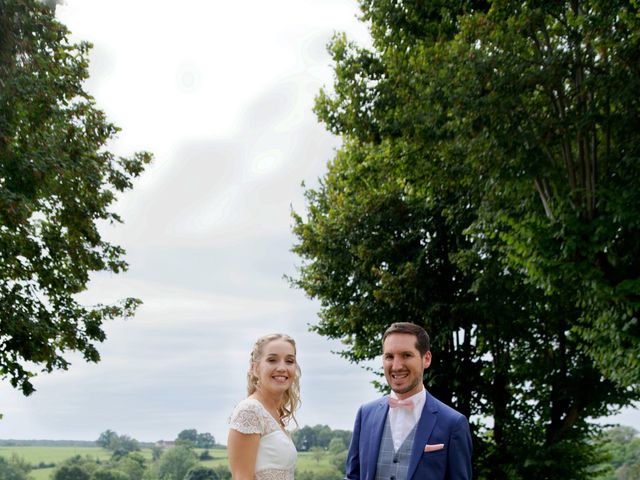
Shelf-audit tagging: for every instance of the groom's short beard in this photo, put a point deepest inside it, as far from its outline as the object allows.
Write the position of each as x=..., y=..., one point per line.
x=407, y=389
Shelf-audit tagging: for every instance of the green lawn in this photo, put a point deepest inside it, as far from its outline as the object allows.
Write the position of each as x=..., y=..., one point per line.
x=57, y=455
x=34, y=455
x=308, y=461
x=41, y=473
x=219, y=457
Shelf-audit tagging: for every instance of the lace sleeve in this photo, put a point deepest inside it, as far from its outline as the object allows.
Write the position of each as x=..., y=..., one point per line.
x=247, y=418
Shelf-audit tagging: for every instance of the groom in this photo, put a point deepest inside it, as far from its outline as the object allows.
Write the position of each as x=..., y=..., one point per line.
x=409, y=434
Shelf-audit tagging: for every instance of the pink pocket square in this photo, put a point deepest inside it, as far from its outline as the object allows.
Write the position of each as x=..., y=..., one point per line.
x=433, y=448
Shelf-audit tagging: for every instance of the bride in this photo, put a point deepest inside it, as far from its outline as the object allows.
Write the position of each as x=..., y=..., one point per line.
x=258, y=445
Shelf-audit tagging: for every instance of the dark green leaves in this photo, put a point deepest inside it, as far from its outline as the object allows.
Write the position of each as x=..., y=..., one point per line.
x=57, y=180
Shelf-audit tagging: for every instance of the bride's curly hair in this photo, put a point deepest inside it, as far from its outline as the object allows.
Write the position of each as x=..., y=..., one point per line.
x=291, y=398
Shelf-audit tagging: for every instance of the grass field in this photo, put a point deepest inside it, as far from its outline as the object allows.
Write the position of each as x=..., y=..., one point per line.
x=307, y=461
x=35, y=455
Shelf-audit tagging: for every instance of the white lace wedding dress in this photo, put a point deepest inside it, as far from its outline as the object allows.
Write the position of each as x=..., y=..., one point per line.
x=276, y=452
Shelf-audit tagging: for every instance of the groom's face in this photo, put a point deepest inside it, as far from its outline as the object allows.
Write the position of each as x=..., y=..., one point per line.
x=403, y=364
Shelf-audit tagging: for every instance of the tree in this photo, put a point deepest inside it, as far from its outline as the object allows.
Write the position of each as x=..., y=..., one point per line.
x=623, y=447
x=175, y=463
x=57, y=184
x=123, y=445
x=119, y=445
x=106, y=439
x=13, y=469
x=189, y=435
x=304, y=438
x=77, y=468
x=339, y=460
x=431, y=212
x=337, y=445
x=109, y=474
x=71, y=472
x=156, y=452
x=317, y=453
x=133, y=465
x=205, y=440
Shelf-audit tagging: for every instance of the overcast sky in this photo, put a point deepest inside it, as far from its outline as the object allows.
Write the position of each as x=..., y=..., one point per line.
x=221, y=92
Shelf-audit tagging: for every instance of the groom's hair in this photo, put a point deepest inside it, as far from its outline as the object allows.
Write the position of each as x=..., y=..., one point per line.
x=423, y=345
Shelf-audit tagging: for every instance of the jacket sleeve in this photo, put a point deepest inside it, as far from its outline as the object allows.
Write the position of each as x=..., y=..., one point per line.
x=353, y=457
x=459, y=467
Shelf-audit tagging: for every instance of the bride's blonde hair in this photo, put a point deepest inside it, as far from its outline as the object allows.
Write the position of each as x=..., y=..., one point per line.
x=291, y=398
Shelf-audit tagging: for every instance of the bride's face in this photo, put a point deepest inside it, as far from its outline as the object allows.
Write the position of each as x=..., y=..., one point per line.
x=276, y=368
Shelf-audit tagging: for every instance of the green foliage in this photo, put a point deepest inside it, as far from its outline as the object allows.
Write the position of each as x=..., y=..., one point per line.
x=487, y=189
x=57, y=183
x=195, y=439
x=13, y=469
x=188, y=435
x=223, y=472
x=175, y=463
x=337, y=445
x=133, y=465
x=201, y=473
x=95, y=462
x=307, y=437
x=339, y=460
x=317, y=453
x=156, y=453
x=78, y=467
x=109, y=474
x=106, y=438
x=119, y=445
x=205, y=456
x=622, y=445
x=71, y=472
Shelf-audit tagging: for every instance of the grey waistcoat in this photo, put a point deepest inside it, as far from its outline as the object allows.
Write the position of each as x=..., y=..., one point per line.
x=394, y=465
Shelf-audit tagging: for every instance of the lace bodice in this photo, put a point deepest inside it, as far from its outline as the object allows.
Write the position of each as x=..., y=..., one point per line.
x=276, y=452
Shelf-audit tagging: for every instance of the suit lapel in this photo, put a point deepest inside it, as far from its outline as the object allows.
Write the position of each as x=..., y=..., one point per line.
x=423, y=432
x=379, y=417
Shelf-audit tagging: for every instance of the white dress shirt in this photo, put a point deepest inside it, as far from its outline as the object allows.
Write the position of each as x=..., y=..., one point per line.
x=402, y=420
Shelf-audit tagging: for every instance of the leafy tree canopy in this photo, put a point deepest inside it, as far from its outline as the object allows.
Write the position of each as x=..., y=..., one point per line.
x=175, y=463
x=14, y=469
x=195, y=439
x=57, y=184
x=487, y=189
x=119, y=445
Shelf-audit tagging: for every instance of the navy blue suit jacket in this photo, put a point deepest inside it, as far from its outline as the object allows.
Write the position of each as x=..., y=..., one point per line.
x=438, y=423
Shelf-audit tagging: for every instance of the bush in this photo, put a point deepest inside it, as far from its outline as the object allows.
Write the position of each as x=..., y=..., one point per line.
x=13, y=469
x=110, y=474
x=71, y=472
x=339, y=460
x=201, y=473
x=205, y=455
x=223, y=472
x=176, y=462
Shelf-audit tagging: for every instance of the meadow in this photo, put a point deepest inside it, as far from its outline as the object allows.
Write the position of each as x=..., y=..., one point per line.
x=36, y=455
